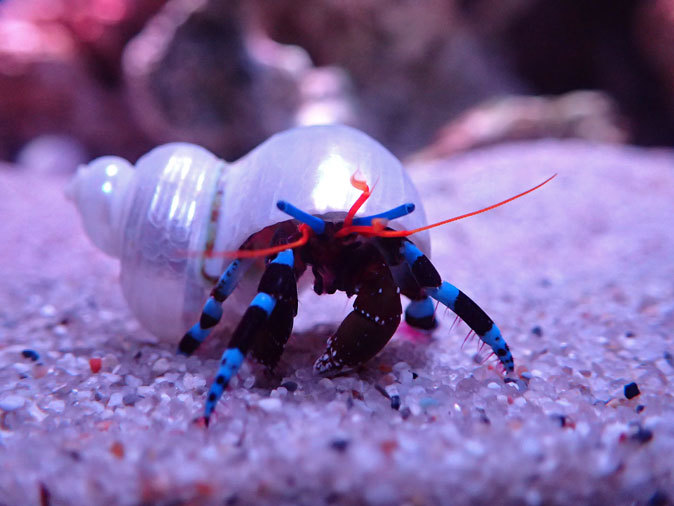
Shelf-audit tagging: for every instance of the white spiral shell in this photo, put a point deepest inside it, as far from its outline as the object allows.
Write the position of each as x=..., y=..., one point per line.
x=180, y=197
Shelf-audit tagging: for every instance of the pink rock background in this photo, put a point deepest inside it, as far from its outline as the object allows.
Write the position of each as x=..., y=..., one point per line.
x=578, y=275
x=123, y=76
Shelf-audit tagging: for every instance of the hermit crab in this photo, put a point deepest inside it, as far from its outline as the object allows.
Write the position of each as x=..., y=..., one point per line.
x=192, y=230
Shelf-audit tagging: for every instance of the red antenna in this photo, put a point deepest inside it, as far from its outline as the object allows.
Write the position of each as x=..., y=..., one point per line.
x=376, y=229
x=362, y=186
x=254, y=253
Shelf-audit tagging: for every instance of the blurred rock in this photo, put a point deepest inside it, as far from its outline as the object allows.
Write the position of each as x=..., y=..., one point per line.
x=557, y=47
x=197, y=73
x=99, y=29
x=414, y=64
x=52, y=153
x=326, y=97
x=491, y=18
x=228, y=74
x=655, y=24
x=58, y=62
x=588, y=115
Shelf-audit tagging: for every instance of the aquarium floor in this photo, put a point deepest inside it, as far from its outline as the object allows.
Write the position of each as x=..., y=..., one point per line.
x=578, y=275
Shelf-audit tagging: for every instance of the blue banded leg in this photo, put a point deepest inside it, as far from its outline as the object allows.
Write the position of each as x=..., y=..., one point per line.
x=212, y=312
x=274, y=288
x=476, y=319
x=421, y=314
x=257, y=313
x=279, y=279
x=458, y=302
x=272, y=337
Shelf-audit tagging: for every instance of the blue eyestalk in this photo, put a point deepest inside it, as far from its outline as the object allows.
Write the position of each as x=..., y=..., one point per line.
x=316, y=224
x=391, y=214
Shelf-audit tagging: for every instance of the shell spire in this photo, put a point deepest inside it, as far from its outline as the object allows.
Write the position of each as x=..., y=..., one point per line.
x=100, y=190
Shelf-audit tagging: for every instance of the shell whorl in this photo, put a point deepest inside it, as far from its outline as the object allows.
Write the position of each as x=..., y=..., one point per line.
x=150, y=218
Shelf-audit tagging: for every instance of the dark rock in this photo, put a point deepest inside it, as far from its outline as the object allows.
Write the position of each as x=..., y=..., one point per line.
x=197, y=73
x=339, y=445
x=631, y=390
x=604, y=53
x=31, y=354
x=395, y=402
x=655, y=37
x=659, y=498
x=582, y=114
x=60, y=74
x=417, y=63
x=641, y=435
x=290, y=386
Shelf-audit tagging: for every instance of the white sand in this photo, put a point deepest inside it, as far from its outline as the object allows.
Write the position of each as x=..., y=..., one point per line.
x=579, y=276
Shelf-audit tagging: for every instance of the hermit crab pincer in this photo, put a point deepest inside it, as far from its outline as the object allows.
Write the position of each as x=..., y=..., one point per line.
x=328, y=198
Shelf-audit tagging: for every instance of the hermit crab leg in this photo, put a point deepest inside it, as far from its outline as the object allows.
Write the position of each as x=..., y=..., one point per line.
x=272, y=337
x=277, y=287
x=449, y=295
x=420, y=312
x=212, y=312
